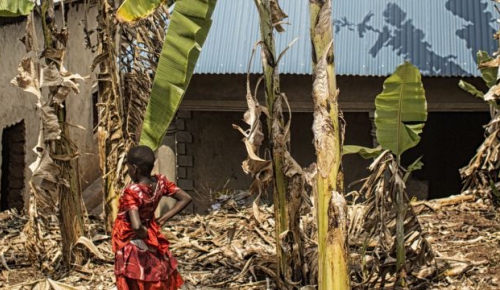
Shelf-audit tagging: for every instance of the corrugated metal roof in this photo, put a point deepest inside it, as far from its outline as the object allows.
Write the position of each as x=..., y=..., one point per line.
x=372, y=37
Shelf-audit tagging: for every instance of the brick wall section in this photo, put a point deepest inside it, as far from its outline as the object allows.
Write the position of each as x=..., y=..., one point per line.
x=185, y=160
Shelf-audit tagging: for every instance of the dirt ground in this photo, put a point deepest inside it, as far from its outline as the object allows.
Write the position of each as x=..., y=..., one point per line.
x=465, y=237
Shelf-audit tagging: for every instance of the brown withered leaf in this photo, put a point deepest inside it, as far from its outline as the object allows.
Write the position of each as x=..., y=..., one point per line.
x=61, y=93
x=454, y=231
x=69, y=84
x=46, y=177
x=51, y=129
x=492, y=63
x=493, y=94
x=27, y=39
x=44, y=284
x=51, y=76
x=259, y=168
x=61, y=36
x=28, y=77
x=277, y=15
x=91, y=246
x=376, y=242
x=54, y=54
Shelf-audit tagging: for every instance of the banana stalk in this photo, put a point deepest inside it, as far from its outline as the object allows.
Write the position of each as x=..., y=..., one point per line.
x=328, y=134
x=65, y=154
x=110, y=127
x=272, y=91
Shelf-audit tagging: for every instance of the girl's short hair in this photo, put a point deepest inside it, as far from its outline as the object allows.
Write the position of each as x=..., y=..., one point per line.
x=142, y=157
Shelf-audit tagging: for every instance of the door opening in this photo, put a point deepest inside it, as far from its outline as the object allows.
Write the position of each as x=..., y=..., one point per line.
x=13, y=164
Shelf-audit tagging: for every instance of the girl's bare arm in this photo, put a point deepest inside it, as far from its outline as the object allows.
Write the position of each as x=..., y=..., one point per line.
x=183, y=199
x=135, y=220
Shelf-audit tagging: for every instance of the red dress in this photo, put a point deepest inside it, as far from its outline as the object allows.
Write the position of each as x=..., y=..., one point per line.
x=143, y=264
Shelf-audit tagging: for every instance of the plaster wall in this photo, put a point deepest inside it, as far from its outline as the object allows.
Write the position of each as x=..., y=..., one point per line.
x=17, y=105
x=80, y=107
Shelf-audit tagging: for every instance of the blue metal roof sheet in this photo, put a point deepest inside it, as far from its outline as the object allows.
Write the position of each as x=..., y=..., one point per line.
x=441, y=37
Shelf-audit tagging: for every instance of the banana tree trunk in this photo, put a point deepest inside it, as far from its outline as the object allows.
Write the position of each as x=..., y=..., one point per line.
x=70, y=197
x=401, y=210
x=272, y=91
x=110, y=128
x=328, y=133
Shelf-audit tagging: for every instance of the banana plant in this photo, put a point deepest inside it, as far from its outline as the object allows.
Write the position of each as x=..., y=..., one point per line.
x=9, y=8
x=188, y=29
x=489, y=75
x=400, y=115
x=55, y=183
x=481, y=174
x=189, y=26
x=133, y=10
x=181, y=46
x=331, y=207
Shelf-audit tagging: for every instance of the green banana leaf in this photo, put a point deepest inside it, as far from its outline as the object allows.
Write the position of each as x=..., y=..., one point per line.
x=489, y=73
x=10, y=8
x=186, y=34
x=133, y=10
x=365, y=152
x=401, y=110
x=471, y=89
x=416, y=165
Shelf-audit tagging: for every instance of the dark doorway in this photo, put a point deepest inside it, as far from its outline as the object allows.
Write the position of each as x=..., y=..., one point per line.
x=449, y=141
x=13, y=164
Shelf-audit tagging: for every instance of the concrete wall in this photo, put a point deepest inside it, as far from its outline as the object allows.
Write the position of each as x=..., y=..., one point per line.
x=80, y=107
x=217, y=152
x=18, y=105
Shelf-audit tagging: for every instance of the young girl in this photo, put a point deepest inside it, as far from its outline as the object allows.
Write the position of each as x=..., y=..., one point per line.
x=142, y=258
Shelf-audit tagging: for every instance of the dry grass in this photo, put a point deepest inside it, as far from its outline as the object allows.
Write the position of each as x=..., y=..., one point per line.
x=223, y=250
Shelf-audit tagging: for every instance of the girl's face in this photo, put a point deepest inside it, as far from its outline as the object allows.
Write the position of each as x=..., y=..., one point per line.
x=133, y=172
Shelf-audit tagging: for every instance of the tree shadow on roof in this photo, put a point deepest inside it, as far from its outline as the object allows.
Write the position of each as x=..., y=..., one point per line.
x=479, y=19
x=406, y=40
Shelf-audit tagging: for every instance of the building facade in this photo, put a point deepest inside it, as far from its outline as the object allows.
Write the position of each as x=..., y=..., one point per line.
x=19, y=119
x=440, y=37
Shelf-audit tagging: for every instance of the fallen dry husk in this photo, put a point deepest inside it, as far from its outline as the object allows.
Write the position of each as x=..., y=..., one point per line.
x=465, y=235
x=388, y=244
x=224, y=249
x=481, y=175
x=221, y=250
